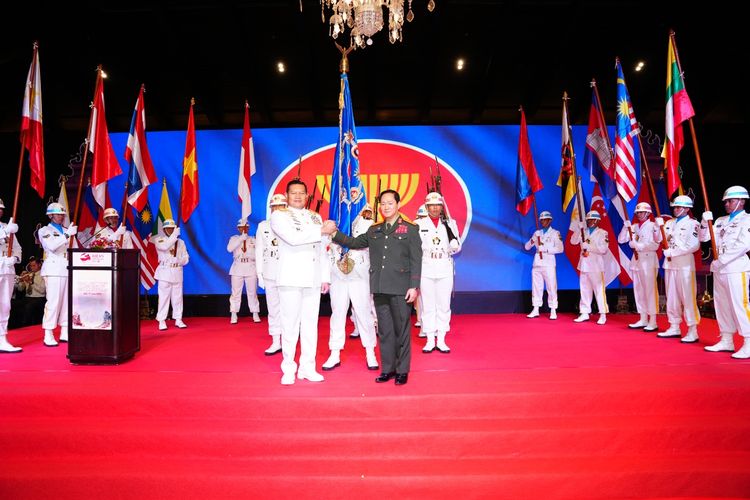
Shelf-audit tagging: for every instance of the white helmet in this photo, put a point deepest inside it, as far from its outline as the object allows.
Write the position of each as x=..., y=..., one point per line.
x=111, y=212
x=433, y=199
x=732, y=192
x=168, y=223
x=422, y=211
x=55, y=209
x=242, y=222
x=545, y=215
x=2, y=205
x=683, y=201
x=643, y=207
x=593, y=215
x=278, y=200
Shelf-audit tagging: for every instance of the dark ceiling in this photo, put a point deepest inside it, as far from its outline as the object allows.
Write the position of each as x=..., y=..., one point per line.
x=223, y=52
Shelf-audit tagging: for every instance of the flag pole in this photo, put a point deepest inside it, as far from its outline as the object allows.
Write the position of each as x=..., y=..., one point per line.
x=697, y=153
x=533, y=201
x=122, y=212
x=652, y=191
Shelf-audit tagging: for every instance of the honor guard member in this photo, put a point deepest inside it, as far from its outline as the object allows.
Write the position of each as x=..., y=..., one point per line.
x=350, y=283
x=302, y=275
x=7, y=277
x=114, y=232
x=267, y=262
x=395, y=272
x=421, y=213
x=548, y=243
x=679, y=269
x=173, y=256
x=242, y=248
x=731, y=271
x=55, y=238
x=644, y=238
x=591, y=264
x=440, y=242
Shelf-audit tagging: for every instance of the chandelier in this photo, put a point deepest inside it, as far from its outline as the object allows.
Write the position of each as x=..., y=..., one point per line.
x=364, y=18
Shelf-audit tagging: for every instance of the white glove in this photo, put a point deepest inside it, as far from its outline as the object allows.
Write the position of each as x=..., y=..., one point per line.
x=9, y=261
x=585, y=246
x=261, y=283
x=582, y=225
x=120, y=231
x=631, y=244
x=627, y=223
x=708, y=215
x=243, y=236
x=176, y=232
x=716, y=265
x=659, y=221
x=71, y=231
x=668, y=253
x=11, y=227
x=453, y=245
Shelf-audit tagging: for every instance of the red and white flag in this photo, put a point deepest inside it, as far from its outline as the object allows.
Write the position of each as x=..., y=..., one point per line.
x=106, y=165
x=32, y=137
x=247, y=166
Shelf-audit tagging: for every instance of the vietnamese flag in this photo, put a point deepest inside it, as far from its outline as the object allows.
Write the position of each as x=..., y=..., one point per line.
x=189, y=194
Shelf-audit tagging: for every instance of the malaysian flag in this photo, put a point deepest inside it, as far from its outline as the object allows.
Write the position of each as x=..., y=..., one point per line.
x=626, y=171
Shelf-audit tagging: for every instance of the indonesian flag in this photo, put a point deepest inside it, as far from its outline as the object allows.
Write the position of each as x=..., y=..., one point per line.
x=32, y=137
x=190, y=194
x=247, y=166
x=106, y=165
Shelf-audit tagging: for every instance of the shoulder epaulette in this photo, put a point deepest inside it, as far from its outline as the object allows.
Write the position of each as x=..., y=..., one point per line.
x=376, y=223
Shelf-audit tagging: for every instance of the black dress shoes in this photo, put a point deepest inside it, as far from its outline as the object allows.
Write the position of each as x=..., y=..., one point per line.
x=401, y=378
x=385, y=377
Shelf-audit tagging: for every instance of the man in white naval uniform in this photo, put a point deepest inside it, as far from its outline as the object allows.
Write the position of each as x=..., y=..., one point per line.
x=644, y=238
x=591, y=265
x=267, y=262
x=302, y=276
x=115, y=232
x=547, y=243
x=731, y=271
x=679, y=270
x=440, y=241
x=54, y=239
x=242, y=248
x=421, y=213
x=173, y=256
x=7, y=277
x=350, y=282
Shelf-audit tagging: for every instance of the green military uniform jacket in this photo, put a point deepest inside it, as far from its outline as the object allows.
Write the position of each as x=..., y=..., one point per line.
x=395, y=255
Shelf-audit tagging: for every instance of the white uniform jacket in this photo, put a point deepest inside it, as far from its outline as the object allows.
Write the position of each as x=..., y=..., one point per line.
x=266, y=251
x=8, y=268
x=682, y=237
x=55, y=245
x=597, y=243
x=646, y=240
x=732, y=242
x=302, y=256
x=170, y=266
x=551, y=244
x=108, y=234
x=437, y=251
x=244, y=258
x=361, y=256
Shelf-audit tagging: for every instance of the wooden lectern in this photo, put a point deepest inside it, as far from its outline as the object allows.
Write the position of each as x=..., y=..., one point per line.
x=103, y=308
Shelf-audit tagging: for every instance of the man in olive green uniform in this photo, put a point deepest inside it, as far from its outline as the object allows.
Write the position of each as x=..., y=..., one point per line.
x=395, y=273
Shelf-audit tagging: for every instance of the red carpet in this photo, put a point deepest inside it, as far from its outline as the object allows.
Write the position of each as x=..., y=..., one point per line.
x=520, y=409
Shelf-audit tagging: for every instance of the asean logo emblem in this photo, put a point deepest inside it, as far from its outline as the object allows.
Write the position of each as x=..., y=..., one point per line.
x=406, y=169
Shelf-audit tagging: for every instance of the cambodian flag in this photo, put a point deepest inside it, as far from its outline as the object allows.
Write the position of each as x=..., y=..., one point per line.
x=597, y=157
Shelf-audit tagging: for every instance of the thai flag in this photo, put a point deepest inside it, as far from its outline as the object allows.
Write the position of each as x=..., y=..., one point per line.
x=141, y=172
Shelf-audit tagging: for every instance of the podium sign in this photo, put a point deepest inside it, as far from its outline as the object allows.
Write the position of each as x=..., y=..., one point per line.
x=103, y=305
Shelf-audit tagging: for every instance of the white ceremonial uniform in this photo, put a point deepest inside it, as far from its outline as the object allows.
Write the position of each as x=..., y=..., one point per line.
x=679, y=271
x=436, y=283
x=354, y=287
x=243, y=272
x=592, y=269
x=169, y=275
x=267, y=262
x=108, y=234
x=731, y=273
x=544, y=269
x=7, y=276
x=55, y=272
x=644, y=267
x=302, y=268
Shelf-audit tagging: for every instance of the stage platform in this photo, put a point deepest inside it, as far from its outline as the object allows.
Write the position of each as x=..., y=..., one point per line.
x=520, y=408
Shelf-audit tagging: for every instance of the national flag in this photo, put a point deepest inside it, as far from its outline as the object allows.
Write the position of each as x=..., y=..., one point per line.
x=189, y=194
x=105, y=162
x=247, y=166
x=32, y=136
x=597, y=157
x=348, y=196
x=62, y=199
x=165, y=211
x=567, y=166
x=573, y=252
x=141, y=171
x=618, y=214
x=90, y=219
x=527, y=178
x=679, y=109
x=626, y=163
x=141, y=223
x=612, y=268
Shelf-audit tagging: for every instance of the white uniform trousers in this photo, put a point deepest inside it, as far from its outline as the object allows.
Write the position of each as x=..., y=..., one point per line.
x=299, y=321
x=169, y=292
x=681, y=296
x=731, y=302
x=274, y=307
x=436, y=304
x=358, y=292
x=539, y=276
x=592, y=284
x=7, y=282
x=56, y=308
x=644, y=291
x=251, y=288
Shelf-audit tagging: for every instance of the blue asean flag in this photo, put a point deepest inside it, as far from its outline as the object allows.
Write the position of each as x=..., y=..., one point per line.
x=347, y=193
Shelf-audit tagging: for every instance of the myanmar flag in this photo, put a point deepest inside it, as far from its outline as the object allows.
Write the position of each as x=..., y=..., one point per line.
x=189, y=194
